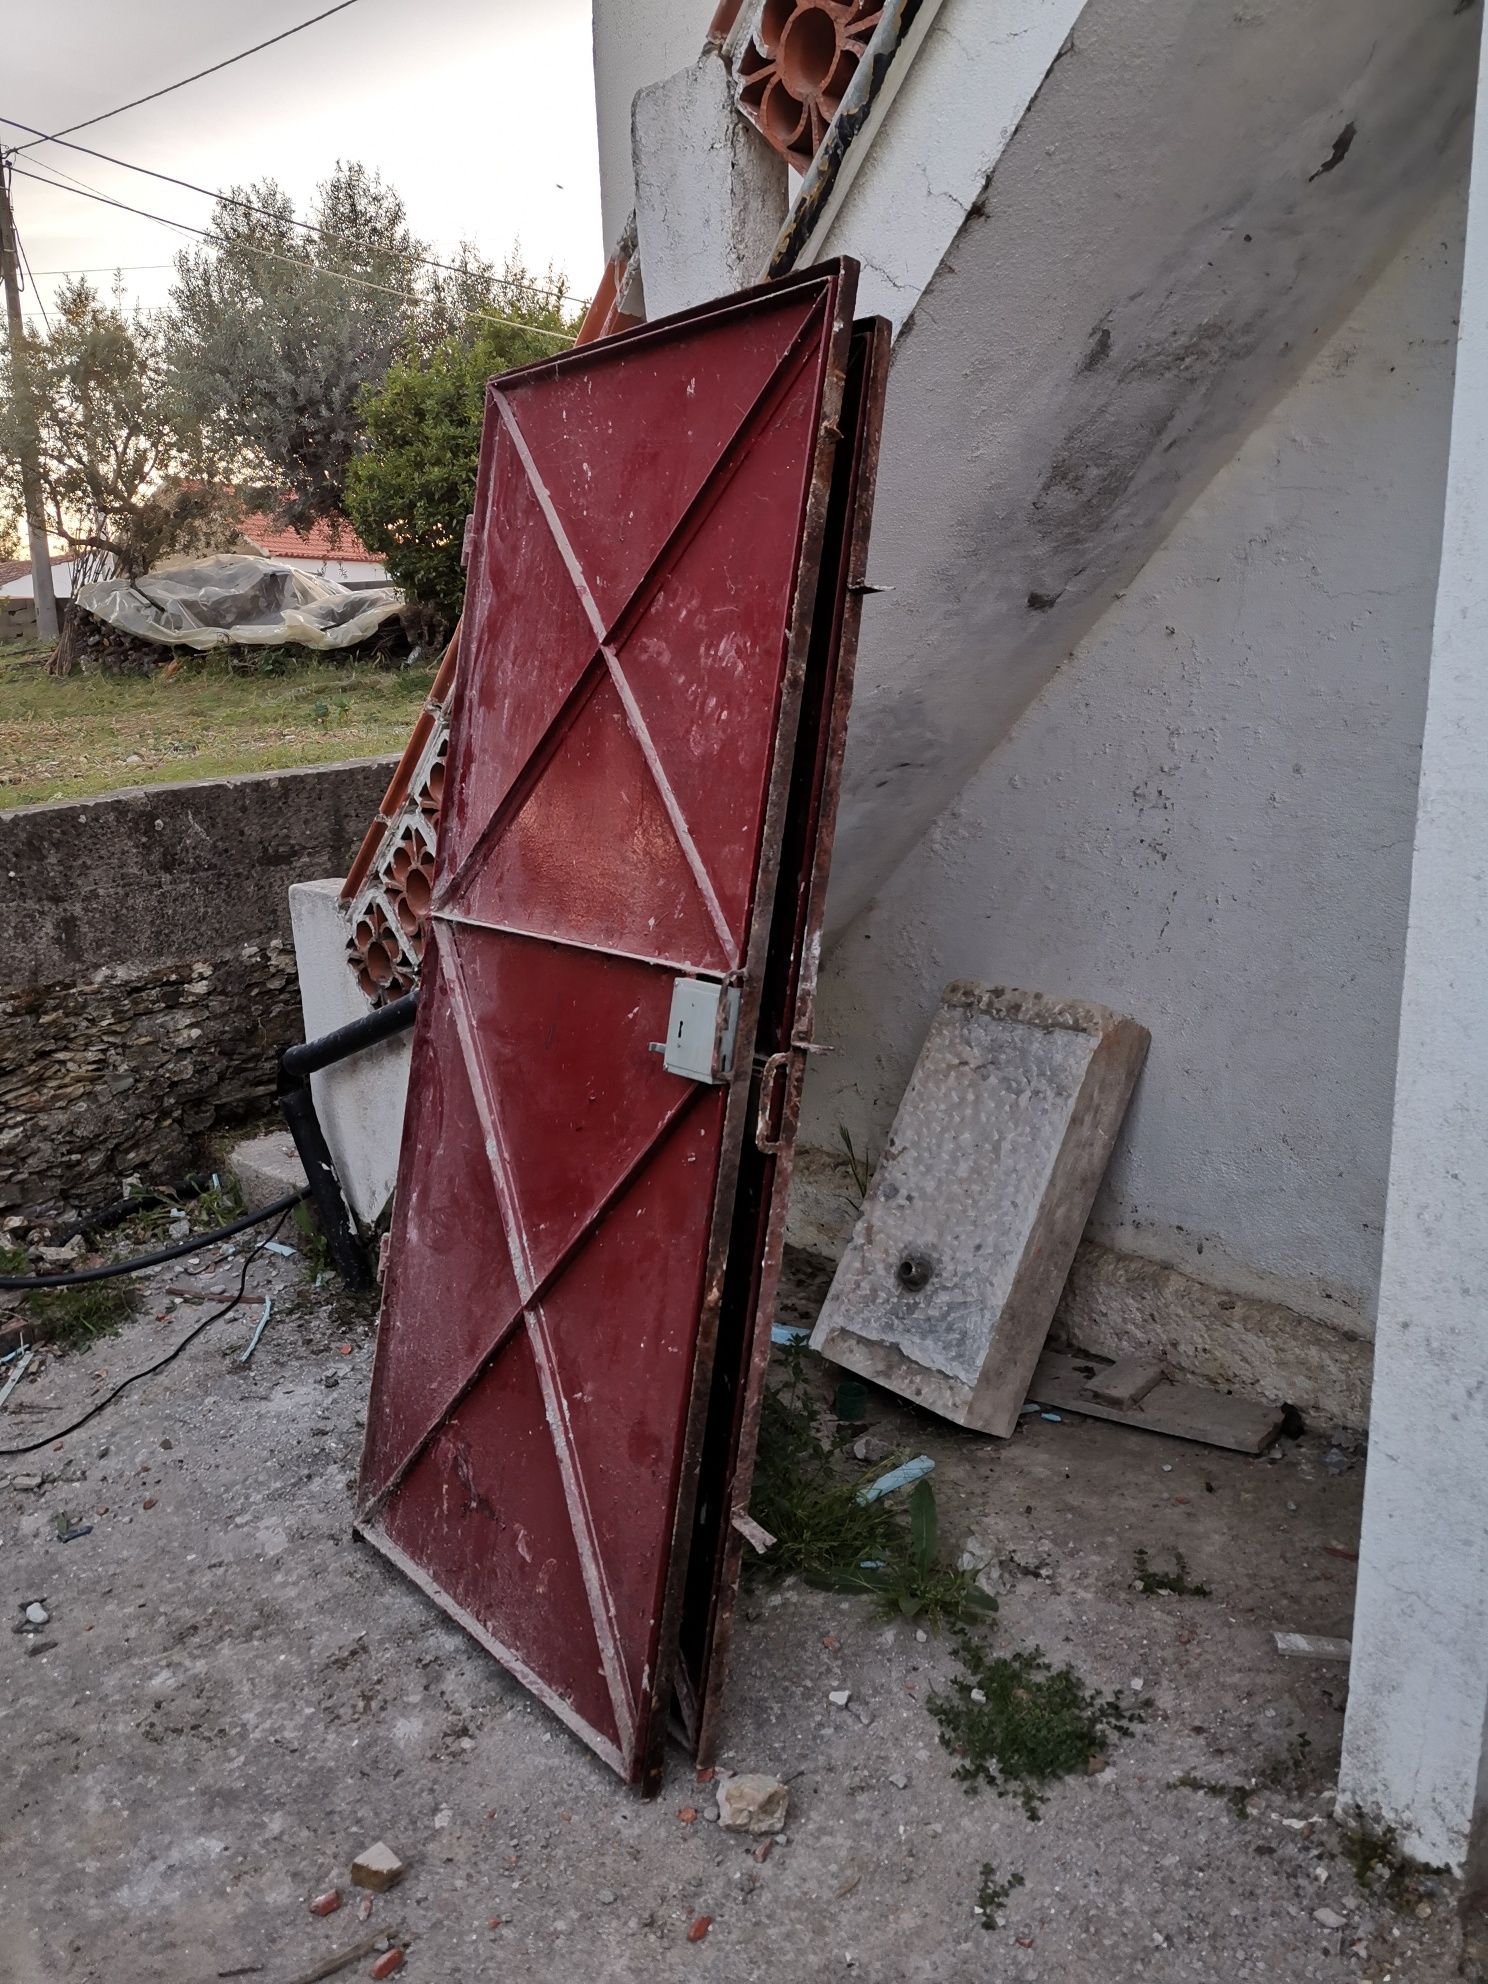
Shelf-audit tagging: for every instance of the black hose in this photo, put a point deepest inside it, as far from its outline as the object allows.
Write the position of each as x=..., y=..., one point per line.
x=297, y=1101
x=113, y=1215
x=61, y=1433
x=162, y=1254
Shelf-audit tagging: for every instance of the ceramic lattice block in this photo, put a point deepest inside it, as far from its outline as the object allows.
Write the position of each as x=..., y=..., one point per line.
x=949, y=1285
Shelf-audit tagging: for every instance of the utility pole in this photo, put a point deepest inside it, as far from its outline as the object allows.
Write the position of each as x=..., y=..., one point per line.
x=41, y=555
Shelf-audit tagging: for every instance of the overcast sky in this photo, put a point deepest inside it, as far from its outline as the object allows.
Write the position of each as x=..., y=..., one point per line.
x=481, y=112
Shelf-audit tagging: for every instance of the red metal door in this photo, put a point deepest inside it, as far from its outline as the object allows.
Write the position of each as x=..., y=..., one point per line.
x=649, y=524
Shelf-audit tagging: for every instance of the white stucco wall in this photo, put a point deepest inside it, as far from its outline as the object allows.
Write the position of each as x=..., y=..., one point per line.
x=1205, y=821
x=636, y=43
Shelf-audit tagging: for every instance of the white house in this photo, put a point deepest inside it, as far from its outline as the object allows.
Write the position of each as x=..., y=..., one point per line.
x=1175, y=700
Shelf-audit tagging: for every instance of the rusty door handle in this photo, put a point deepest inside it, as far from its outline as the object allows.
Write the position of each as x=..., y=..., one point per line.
x=764, y=1140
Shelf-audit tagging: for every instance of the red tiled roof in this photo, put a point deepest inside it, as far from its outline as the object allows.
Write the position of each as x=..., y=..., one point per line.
x=333, y=539
x=13, y=568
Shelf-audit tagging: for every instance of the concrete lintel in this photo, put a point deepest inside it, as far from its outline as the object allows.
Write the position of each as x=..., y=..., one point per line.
x=710, y=193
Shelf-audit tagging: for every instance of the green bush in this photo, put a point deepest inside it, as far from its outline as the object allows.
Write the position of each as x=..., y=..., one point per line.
x=409, y=493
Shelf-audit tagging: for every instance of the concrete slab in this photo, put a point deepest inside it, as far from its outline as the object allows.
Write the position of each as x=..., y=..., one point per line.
x=950, y=1282
x=710, y=193
x=359, y=1101
x=266, y=1167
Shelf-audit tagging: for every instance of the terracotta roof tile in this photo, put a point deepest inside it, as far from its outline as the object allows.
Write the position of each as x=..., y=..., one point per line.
x=333, y=539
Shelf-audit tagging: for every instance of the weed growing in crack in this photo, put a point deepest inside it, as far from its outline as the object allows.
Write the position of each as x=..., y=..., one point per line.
x=1017, y=1723
x=313, y=1248
x=1150, y=1580
x=72, y=1318
x=857, y=1169
x=1381, y=1867
x=993, y=1895
x=807, y=1495
x=1296, y=1771
x=1236, y=1796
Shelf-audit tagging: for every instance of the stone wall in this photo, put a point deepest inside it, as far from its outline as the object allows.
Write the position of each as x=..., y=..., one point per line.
x=148, y=977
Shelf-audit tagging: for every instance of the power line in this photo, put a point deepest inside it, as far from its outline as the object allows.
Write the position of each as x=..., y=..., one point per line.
x=30, y=279
x=245, y=206
x=108, y=268
x=104, y=115
x=336, y=275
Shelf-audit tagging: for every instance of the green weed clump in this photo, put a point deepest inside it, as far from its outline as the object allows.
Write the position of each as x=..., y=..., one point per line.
x=72, y=1318
x=1017, y=1723
x=806, y=1493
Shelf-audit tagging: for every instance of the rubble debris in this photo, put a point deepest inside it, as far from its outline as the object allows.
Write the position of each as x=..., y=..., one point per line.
x=23, y=1364
x=1330, y=1918
x=33, y=1617
x=1126, y=1382
x=755, y=1534
x=327, y=1903
x=347, y=1956
x=377, y=1867
x=950, y=1282
x=1185, y=1412
x=840, y=1697
x=1312, y=1646
x=699, y=1927
x=388, y=1962
x=752, y=1802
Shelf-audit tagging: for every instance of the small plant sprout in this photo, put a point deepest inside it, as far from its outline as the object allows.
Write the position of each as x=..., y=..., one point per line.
x=993, y=1896
x=1177, y=1583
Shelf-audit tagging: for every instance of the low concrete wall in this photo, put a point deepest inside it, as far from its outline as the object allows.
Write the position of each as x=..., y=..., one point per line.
x=148, y=977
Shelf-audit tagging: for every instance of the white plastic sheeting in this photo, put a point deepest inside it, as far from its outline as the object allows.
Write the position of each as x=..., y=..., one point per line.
x=240, y=601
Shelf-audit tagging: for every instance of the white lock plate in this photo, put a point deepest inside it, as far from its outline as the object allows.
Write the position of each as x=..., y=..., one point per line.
x=700, y=1030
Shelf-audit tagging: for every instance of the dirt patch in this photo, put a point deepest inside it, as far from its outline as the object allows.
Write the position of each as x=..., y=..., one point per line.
x=238, y=1698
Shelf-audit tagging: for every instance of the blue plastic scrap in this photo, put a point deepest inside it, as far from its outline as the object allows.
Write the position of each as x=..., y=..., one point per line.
x=263, y=1323
x=897, y=1477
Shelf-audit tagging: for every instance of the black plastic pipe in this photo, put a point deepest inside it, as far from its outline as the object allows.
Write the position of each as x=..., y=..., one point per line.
x=296, y=1099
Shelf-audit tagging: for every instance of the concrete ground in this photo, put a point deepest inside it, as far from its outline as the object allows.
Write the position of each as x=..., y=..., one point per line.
x=232, y=1697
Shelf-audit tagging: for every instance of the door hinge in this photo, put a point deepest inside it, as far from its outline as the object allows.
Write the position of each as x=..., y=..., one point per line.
x=701, y=1029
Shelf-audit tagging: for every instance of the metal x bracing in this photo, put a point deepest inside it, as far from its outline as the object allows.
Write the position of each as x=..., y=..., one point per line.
x=611, y=637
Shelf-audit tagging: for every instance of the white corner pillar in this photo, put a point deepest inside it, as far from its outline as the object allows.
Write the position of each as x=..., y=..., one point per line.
x=1414, y=1740
x=711, y=195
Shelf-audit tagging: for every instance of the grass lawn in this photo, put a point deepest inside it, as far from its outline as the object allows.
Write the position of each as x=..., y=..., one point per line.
x=62, y=737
